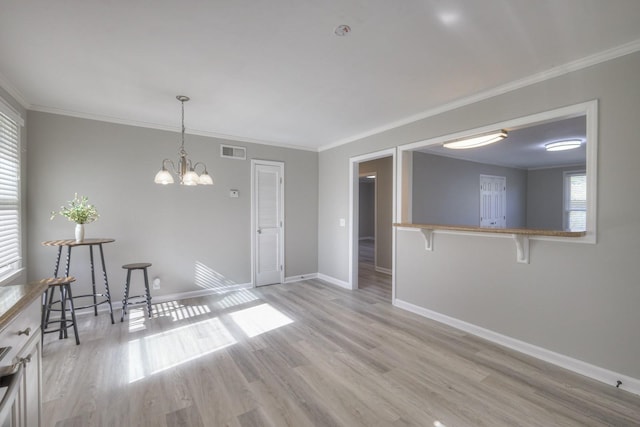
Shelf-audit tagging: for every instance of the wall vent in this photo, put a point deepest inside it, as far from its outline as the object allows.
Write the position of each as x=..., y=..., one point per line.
x=232, y=152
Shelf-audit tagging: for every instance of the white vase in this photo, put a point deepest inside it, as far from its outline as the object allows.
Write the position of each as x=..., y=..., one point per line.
x=79, y=233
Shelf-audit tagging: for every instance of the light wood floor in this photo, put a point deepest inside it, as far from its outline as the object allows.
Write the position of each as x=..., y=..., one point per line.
x=307, y=354
x=370, y=281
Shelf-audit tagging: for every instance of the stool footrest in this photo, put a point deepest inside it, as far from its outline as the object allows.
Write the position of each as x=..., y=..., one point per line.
x=92, y=305
x=68, y=323
x=140, y=302
x=65, y=305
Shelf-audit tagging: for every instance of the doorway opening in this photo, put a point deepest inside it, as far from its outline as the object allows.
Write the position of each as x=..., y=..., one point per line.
x=367, y=224
x=371, y=223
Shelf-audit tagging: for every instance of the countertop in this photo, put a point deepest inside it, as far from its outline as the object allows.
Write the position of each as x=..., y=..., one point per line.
x=15, y=298
x=518, y=231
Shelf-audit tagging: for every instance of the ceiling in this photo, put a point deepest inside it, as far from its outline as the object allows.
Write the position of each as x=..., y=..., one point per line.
x=275, y=72
x=524, y=148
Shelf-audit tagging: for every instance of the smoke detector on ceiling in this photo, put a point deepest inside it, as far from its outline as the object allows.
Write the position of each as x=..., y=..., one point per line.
x=342, y=30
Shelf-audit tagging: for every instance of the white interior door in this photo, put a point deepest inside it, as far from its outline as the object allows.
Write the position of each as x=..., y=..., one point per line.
x=493, y=201
x=268, y=222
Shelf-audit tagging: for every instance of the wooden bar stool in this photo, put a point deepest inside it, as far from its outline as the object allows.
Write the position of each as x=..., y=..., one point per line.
x=147, y=294
x=63, y=284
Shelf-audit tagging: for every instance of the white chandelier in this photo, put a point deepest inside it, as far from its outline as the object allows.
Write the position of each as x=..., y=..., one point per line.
x=185, y=169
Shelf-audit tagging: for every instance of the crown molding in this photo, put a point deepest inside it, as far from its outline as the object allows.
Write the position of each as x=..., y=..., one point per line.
x=557, y=71
x=14, y=92
x=157, y=126
x=560, y=70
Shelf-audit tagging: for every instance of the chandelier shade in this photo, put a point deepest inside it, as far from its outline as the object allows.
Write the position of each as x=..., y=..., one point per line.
x=184, y=169
x=163, y=177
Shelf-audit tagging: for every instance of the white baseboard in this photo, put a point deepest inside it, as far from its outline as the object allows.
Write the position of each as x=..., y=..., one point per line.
x=334, y=281
x=200, y=293
x=595, y=372
x=117, y=304
x=292, y=279
x=383, y=270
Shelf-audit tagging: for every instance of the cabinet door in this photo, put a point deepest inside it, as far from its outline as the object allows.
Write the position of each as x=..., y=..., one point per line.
x=31, y=393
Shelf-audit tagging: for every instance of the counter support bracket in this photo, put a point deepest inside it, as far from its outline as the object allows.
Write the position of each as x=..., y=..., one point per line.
x=428, y=238
x=522, y=248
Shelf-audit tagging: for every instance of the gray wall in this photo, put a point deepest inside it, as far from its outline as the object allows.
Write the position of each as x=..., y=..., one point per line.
x=579, y=300
x=367, y=210
x=15, y=105
x=181, y=230
x=446, y=191
x=384, y=208
x=545, y=195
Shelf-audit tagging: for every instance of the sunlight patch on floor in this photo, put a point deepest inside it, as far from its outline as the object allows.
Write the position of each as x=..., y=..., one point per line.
x=259, y=319
x=235, y=298
x=178, y=310
x=159, y=352
x=136, y=320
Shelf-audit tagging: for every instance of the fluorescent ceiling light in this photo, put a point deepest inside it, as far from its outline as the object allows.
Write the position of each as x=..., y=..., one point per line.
x=370, y=176
x=569, y=144
x=476, y=140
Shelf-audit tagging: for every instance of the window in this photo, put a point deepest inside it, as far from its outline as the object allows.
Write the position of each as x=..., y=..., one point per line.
x=575, y=201
x=10, y=251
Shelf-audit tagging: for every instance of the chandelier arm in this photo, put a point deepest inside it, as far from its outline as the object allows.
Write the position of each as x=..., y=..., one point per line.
x=200, y=163
x=173, y=166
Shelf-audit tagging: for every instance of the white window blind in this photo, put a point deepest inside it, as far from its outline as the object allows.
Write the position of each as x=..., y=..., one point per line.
x=9, y=195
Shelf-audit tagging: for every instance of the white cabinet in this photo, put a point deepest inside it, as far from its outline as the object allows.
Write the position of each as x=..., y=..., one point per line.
x=26, y=408
x=22, y=394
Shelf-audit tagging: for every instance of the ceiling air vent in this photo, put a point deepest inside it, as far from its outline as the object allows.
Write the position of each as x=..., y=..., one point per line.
x=232, y=152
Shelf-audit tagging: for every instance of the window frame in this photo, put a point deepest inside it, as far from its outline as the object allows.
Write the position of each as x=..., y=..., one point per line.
x=589, y=109
x=9, y=272
x=566, y=196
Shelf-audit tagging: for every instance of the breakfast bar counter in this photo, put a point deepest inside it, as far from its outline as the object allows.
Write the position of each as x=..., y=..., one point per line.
x=15, y=298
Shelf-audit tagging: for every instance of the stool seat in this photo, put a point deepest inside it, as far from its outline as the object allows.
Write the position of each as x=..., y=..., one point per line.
x=137, y=266
x=127, y=286
x=63, y=284
x=56, y=281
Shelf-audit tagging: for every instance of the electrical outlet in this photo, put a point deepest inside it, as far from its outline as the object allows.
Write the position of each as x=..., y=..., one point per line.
x=156, y=283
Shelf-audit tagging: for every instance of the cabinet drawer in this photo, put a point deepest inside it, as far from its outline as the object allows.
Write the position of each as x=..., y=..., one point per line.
x=17, y=333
